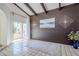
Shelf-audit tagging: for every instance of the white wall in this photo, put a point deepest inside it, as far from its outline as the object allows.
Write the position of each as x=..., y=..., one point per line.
x=6, y=26
x=28, y=27
x=3, y=30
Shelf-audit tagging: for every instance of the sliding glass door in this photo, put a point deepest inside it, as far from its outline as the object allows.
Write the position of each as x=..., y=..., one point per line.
x=20, y=30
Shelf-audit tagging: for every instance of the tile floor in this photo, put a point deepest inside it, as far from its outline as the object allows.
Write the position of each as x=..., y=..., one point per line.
x=38, y=48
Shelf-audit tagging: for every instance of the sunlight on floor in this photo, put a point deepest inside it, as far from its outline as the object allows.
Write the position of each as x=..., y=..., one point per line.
x=22, y=47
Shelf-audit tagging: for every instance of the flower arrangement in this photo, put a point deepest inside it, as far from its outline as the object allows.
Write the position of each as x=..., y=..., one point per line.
x=75, y=37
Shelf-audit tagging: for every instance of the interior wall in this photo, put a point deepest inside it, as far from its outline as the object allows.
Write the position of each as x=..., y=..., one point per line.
x=18, y=18
x=4, y=25
x=7, y=27
x=59, y=33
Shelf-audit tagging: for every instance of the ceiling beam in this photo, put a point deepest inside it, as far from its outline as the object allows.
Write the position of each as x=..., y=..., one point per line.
x=75, y=4
x=21, y=9
x=31, y=9
x=60, y=6
x=42, y=4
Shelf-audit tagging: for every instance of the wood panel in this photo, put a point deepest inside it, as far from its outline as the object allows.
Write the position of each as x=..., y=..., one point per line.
x=59, y=33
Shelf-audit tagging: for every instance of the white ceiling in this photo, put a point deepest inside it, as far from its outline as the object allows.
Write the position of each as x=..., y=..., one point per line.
x=36, y=7
x=14, y=9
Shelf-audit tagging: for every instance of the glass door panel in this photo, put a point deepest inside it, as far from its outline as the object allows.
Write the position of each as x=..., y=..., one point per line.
x=25, y=31
x=20, y=30
x=17, y=30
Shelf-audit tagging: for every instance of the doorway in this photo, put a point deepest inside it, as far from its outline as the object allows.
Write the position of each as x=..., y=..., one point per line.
x=20, y=31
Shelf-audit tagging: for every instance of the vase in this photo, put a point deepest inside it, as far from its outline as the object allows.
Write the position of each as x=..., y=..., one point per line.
x=75, y=44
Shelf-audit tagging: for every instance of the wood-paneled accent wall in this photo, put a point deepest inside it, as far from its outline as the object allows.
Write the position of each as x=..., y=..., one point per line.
x=59, y=33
